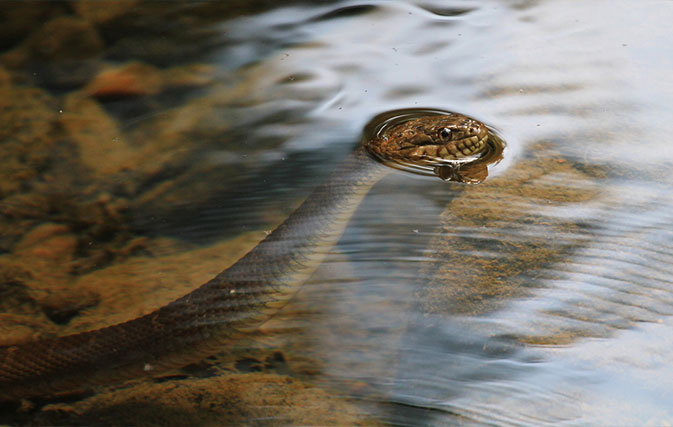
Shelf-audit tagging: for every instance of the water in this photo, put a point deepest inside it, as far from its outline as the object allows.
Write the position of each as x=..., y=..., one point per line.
x=539, y=296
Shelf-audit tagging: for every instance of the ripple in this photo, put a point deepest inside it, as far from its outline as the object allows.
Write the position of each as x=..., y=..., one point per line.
x=344, y=12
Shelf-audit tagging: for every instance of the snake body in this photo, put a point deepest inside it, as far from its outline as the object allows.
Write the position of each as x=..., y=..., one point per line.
x=246, y=294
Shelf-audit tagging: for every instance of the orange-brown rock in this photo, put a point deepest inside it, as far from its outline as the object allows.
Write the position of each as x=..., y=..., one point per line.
x=131, y=79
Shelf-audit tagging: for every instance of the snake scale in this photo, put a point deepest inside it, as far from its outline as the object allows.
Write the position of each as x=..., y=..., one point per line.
x=246, y=294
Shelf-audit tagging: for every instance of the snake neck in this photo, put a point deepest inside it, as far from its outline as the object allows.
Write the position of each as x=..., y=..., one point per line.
x=271, y=273
x=303, y=240
x=203, y=321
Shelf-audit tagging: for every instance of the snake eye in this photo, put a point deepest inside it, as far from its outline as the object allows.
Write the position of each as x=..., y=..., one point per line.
x=444, y=133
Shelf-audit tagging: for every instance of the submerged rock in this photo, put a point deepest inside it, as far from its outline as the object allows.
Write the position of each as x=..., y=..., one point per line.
x=102, y=11
x=63, y=52
x=131, y=79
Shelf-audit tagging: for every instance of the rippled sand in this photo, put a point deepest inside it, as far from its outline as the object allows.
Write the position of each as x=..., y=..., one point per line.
x=144, y=147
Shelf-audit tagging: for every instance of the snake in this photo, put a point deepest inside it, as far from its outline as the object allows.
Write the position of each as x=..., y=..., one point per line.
x=239, y=299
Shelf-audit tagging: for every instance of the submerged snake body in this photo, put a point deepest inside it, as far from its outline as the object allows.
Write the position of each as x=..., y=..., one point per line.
x=243, y=296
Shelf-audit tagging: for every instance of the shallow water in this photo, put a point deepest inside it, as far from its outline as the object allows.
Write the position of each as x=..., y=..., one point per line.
x=539, y=296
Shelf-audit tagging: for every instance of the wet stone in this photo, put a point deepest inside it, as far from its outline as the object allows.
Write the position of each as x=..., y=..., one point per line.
x=39, y=235
x=64, y=38
x=101, y=145
x=14, y=294
x=27, y=118
x=63, y=53
x=5, y=77
x=131, y=79
x=191, y=75
x=102, y=11
x=60, y=309
x=20, y=18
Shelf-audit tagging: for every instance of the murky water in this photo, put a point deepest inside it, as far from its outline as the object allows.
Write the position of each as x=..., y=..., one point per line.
x=539, y=296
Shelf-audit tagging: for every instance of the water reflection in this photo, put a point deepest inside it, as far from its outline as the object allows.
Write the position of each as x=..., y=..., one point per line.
x=539, y=296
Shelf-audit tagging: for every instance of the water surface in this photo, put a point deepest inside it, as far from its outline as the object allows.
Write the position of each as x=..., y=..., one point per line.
x=539, y=296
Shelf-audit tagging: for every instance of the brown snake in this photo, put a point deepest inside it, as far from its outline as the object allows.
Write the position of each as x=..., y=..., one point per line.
x=246, y=294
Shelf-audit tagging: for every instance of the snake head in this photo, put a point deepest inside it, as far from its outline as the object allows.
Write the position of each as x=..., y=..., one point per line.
x=432, y=140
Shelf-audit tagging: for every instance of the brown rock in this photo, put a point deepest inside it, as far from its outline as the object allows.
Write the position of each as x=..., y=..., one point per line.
x=27, y=118
x=61, y=307
x=57, y=248
x=194, y=75
x=100, y=143
x=61, y=39
x=14, y=293
x=17, y=19
x=15, y=328
x=64, y=52
x=5, y=77
x=220, y=400
x=131, y=79
x=40, y=234
x=101, y=11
